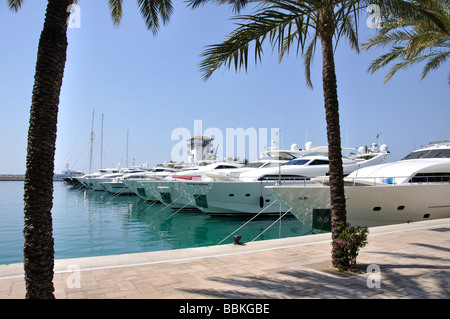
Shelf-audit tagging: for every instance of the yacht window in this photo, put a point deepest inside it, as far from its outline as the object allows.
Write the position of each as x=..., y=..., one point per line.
x=279, y=156
x=282, y=177
x=319, y=162
x=439, y=153
x=430, y=178
x=273, y=164
x=225, y=166
x=298, y=162
x=255, y=164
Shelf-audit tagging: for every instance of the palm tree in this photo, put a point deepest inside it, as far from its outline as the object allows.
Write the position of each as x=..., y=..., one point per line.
x=419, y=33
x=38, y=189
x=302, y=24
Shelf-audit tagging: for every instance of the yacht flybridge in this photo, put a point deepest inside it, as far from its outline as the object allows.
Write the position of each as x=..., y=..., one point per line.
x=413, y=189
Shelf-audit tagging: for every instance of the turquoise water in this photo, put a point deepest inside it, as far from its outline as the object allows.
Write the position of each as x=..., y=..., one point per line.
x=87, y=223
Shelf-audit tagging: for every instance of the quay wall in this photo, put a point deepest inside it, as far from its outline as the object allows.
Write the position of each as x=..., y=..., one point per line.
x=11, y=177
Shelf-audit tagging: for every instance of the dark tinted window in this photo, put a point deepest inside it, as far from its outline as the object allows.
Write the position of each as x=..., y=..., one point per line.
x=282, y=177
x=430, y=178
x=320, y=162
x=298, y=162
x=444, y=153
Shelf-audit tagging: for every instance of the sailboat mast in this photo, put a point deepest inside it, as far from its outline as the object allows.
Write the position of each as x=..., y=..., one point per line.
x=127, y=148
x=92, y=142
x=101, y=146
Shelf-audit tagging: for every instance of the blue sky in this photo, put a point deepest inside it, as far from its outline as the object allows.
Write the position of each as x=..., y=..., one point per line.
x=151, y=85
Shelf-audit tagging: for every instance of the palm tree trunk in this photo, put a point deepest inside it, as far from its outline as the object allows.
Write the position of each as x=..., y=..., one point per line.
x=38, y=192
x=337, y=195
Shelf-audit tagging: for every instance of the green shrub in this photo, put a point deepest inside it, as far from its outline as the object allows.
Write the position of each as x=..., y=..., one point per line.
x=347, y=245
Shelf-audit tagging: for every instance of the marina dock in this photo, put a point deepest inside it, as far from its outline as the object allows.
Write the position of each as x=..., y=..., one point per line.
x=401, y=261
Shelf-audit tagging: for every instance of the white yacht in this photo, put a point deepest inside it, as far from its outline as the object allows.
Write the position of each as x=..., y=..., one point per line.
x=177, y=191
x=67, y=174
x=413, y=189
x=88, y=179
x=113, y=183
x=248, y=195
x=135, y=181
x=165, y=189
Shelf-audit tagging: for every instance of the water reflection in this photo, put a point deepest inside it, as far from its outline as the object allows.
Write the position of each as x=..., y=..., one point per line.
x=92, y=223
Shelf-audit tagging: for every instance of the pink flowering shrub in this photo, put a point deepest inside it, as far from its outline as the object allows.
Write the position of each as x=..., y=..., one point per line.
x=347, y=245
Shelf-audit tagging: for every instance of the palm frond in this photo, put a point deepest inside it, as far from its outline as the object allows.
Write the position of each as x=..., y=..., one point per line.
x=403, y=65
x=416, y=33
x=234, y=50
x=237, y=5
x=115, y=8
x=308, y=57
x=154, y=12
x=283, y=24
x=348, y=28
x=14, y=5
x=396, y=37
x=386, y=58
x=435, y=62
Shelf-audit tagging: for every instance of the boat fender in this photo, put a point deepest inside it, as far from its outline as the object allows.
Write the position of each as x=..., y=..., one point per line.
x=261, y=202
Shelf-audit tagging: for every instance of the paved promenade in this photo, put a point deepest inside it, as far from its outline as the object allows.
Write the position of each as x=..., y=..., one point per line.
x=413, y=261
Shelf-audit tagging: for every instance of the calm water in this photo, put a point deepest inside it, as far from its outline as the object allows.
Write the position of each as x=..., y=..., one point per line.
x=88, y=223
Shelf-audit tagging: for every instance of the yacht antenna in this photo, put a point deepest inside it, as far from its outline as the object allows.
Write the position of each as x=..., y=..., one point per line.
x=279, y=165
x=378, y=136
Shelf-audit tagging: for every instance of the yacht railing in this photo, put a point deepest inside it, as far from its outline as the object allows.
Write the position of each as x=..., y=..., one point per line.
x=380, y=181
x=289, y=181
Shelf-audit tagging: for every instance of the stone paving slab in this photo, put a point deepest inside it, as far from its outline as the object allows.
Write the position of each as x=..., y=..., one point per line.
x=413, y=261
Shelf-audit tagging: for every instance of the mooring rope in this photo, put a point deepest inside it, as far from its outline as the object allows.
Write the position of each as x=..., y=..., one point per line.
x=165, y=206
x=180, y=209
x=247, y=222
x=273, y=223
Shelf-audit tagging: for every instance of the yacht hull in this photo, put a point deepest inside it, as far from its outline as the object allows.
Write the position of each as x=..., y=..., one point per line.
x=166, y=193
x=116, y=188
x=136, y=186
x=94, y=184
x=371, y=205
x=232, y=198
